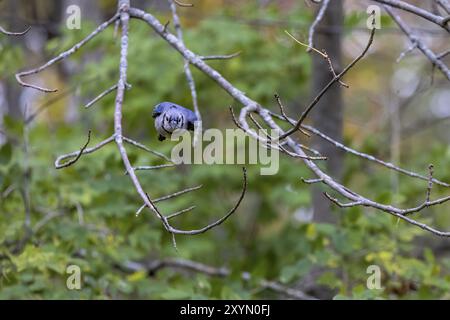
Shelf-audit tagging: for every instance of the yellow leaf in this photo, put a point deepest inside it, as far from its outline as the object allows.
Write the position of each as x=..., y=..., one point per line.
x=311, y=232
x=137, y=276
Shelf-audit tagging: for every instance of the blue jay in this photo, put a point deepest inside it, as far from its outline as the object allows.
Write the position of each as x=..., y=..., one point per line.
x=170, y=116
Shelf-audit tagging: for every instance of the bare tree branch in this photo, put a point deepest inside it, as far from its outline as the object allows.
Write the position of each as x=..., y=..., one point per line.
x=323, y=54
x=444, y=4
x=103, y=94
x=405, y=52
x=124, y=17
x=363, y=155
x=221, y=57
x=153, y=266
x=180, y=212
x=142, y=147
x=251, y=106
x=69, y=163
x=270, y=143
x=310, y=181
x=283, y=112
x=420, y=45
x=440, y=21
x=211, y=225
x=430, y=182
x=182, y=4
x=160, y=166
x=443, y=54
x=62, y=56
x=319, y=17
x=9, y=33
x=187, y=69
x=328, y=86
x=77, y=154
x=289, y=146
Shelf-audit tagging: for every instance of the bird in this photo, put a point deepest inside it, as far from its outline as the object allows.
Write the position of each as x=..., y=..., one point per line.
x=170, y=116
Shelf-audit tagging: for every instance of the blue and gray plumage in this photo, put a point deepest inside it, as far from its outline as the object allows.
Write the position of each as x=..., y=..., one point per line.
x=171, y=116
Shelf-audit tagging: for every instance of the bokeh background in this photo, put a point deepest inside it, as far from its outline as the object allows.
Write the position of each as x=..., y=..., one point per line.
x=284, y=231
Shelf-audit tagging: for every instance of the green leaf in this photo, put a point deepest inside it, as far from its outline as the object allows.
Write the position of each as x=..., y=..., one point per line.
x=5, y=153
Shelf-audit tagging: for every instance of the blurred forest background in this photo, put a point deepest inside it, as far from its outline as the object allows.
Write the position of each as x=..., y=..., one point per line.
x=285, y=231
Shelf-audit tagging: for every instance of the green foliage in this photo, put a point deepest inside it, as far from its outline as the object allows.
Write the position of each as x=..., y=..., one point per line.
x=89, y=208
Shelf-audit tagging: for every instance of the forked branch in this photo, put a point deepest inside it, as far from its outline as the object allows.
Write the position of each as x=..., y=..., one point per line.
x=251, y=106
x=120, y=87
x=284, y=143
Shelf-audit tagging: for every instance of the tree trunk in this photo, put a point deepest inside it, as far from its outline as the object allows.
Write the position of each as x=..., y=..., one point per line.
x=90, y=11
x=11, y=105
x=327, y=115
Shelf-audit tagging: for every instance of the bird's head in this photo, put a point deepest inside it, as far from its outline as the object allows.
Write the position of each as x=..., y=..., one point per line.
x=170, y=117
x=160, y=108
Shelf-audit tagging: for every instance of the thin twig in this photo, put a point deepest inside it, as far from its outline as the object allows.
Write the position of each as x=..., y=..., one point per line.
x=62, y=56
x=169, y=196
x=328, y=86
x=187, y=68
x=250, y=106
x=153, y=266
x=142, y=147
x=80, y=213
x=362, y=154
x=166, y=25
x=9, y=33
x=340, y=204
x=316, y=21
x=220, y=57
x=159, y=166
x=180, y=212
x=183, y=4
x=324, y=55
x=270, y=143
x=8, y=191
x=405, y=52
x=440, y=21
x=82, y=150
x=278, y=146
x=51, y=102
x=420, y=44
x=311, y=181
x=430, y=182
x=444, y=4
x=211, y=225
x=77, y=154
x=47, y=218
x=280, y=105
x=443, y=54
x=103, y=94
x=176, y=194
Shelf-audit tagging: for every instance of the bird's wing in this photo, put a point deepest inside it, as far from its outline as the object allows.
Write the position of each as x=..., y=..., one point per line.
x=157, y=111
x=191, y=119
